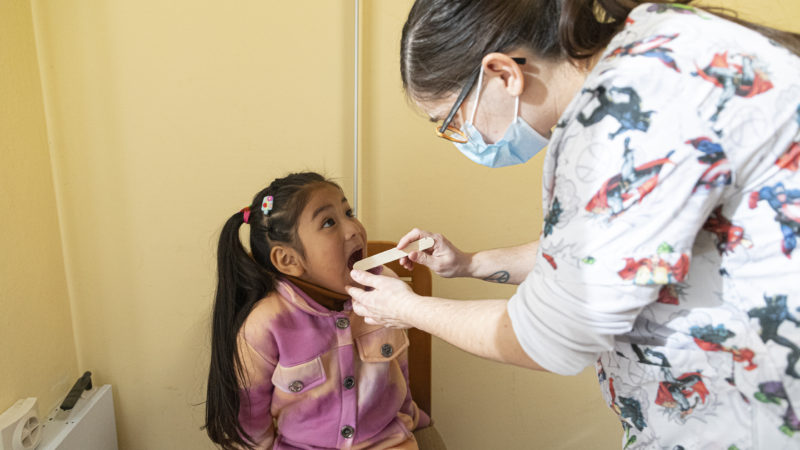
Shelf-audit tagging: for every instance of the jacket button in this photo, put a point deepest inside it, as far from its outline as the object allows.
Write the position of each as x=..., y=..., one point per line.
x=347, y=431
x=349, y=382
x=296, y=386
x=386, y=350
x=342, y=323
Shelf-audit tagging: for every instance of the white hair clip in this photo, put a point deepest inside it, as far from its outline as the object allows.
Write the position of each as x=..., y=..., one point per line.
x=266, y=205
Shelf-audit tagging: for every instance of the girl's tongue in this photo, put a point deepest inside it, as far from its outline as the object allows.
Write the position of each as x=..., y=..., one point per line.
x=354, y=258
x=357, y=256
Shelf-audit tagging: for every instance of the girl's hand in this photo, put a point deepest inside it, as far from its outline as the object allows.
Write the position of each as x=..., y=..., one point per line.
x=383, y=299
x=443, y=258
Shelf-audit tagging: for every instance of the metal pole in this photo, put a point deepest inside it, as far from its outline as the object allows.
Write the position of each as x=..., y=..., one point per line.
x=355, y=112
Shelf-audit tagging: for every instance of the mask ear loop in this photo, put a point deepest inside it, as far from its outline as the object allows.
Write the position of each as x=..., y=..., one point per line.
x=477, y=97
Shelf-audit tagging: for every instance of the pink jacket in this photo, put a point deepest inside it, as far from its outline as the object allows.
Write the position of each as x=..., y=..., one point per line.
x=319, y=379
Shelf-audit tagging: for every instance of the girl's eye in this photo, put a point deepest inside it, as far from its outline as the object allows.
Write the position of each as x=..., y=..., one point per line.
x=328, y=223
x=350, y=213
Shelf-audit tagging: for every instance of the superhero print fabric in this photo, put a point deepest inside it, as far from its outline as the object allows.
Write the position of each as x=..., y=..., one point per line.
x=668, y=254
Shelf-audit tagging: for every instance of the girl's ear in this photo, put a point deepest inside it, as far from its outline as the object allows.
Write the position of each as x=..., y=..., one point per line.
x=286, y=260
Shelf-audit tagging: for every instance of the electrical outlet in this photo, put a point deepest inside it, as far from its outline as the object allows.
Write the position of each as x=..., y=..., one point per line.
x=20, y=428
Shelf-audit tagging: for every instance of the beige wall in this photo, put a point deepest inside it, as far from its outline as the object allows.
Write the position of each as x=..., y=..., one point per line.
x=163, y=118
x=37, y=349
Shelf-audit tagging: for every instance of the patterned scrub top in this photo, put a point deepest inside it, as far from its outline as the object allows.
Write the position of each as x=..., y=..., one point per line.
x=669, y=252
x=322, y=379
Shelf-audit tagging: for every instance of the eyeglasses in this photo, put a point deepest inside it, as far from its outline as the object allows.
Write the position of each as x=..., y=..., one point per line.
x=449, y=132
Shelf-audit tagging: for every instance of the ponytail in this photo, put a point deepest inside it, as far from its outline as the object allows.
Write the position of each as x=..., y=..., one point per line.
x=587, y=26
x=241, y=283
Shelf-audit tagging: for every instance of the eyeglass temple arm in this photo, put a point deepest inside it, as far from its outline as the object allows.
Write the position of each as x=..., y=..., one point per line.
x=464, y=92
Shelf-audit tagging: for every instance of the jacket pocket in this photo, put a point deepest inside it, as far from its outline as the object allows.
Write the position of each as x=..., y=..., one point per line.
x=383, y=344
x=299, y=378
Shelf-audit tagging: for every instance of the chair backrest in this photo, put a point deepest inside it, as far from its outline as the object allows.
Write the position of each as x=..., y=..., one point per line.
x=419, y=350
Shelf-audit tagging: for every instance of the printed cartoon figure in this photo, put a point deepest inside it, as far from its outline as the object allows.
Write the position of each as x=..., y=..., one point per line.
x=798, y=115
x=741, y=79
x=719, y=171
x=627, y=113
x=656, y=270
x=651, y=47
x=774, y=392
x=628, y=187
x=551, y=220
x=549, y=258
x=770, y=317
x=790, y=160
x=728, y=235
x=629, y=411
x=711, y=338
x=670, y=294
x=645, y=356
x=786, y=203
x=676, y=394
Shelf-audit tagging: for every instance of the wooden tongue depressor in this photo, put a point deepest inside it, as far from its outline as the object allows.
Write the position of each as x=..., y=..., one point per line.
x=393, y=254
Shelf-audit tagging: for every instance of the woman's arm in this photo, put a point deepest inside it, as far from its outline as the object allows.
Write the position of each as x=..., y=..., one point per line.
x=503, y=265
x=481, y=327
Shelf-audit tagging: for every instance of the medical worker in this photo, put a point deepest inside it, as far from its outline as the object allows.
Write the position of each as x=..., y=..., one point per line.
x=668, y=255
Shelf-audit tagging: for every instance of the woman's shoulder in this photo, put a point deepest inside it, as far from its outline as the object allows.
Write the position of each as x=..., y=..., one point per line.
x=656, y=29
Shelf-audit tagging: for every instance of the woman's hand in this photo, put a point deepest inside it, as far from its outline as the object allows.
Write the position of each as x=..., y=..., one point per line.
x=383, y=299
x=443, y=258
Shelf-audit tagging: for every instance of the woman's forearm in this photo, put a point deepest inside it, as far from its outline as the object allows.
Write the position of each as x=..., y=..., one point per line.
x=504, y=265
x=480, y=327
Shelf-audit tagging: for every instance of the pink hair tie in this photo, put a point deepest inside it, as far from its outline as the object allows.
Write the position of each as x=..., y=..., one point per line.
x=246, y=212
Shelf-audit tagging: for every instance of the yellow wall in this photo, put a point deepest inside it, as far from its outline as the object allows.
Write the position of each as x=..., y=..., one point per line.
x=781, y=14
x=37, y=349
x=163, y=119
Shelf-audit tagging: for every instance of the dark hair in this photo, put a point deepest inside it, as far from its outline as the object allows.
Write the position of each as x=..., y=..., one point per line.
x=243, y=280
x=444, y=41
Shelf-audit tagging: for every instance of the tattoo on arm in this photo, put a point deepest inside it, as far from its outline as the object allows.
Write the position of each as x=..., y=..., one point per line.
x=498, y=277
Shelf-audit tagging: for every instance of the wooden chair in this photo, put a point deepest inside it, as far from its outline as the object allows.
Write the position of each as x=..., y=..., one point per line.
x=419, y=349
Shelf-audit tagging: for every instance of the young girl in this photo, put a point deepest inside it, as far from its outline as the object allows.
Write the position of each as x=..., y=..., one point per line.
x=291, y=365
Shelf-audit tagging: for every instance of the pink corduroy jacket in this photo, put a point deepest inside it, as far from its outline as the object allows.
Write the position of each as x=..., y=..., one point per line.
x=321, y=379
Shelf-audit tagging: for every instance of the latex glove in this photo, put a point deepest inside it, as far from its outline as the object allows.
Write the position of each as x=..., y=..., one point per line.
x=383, y=299
x=443, y=258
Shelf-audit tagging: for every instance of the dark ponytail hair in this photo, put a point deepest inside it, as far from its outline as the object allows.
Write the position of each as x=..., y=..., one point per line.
x=444, y=41
x=242, y=281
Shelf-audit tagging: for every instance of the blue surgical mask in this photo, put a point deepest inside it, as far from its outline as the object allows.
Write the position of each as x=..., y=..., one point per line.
x=519, y=143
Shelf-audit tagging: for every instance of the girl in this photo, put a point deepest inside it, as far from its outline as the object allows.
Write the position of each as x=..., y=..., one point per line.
x=291, y=365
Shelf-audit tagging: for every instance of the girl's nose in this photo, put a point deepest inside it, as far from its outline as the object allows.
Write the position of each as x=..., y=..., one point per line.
x=352, y=228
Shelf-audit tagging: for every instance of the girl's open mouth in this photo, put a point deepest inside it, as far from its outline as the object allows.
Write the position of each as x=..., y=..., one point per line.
x=357, y=256
x=354, y=258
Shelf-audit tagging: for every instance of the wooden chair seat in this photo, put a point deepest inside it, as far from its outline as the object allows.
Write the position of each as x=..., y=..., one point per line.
x=419, y=349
